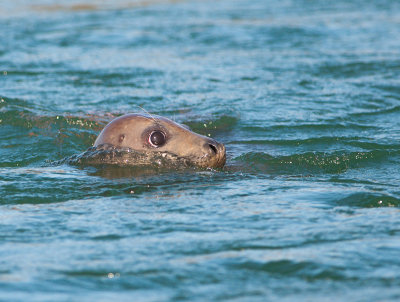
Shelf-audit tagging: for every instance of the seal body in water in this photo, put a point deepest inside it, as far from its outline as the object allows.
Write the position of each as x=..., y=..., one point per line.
x=138, y=139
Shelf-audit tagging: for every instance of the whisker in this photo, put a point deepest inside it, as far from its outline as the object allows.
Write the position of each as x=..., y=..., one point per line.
x=148, y=113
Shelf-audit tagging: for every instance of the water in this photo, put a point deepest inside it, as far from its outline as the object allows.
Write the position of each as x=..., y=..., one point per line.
x=305, y=96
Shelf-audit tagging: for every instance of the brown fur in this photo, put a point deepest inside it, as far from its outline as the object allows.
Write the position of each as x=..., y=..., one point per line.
x=133, y=131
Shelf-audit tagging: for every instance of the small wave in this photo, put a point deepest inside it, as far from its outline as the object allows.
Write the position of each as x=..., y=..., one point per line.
x=32, y=136
x=210, y=127
x=393, y=109
x=355, y=69
x=330, y=126
x=312, y=142
x=329, y=140
x=22, y=114
x=391, y=89
x=312, y=162
x=303, y=269
x=132, y=77
x=16, y=104
x=71, y=133
x=368, y=200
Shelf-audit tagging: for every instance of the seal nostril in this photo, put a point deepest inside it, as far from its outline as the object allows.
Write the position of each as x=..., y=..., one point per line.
x=213, y=148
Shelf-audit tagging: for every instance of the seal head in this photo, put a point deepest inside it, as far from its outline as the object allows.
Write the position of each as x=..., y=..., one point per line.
x=152, y=135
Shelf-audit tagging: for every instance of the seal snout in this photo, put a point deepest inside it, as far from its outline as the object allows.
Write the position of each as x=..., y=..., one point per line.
x=216, y=152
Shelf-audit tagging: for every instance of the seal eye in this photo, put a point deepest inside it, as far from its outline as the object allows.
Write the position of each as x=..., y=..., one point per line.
x=157, y=138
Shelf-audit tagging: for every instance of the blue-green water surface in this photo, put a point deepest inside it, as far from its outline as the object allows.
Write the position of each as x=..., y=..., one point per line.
x=304, y=94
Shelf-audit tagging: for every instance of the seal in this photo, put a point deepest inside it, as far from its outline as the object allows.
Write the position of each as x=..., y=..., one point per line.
x=156, y=138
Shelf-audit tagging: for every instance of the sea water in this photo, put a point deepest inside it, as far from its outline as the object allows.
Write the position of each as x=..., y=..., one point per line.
x=305, y=95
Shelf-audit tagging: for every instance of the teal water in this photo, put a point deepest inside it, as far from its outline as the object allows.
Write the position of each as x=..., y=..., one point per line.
x=305, y=96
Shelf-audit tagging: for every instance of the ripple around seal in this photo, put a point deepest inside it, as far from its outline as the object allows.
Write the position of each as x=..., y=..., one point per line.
x=72, y=183
x=25, y=192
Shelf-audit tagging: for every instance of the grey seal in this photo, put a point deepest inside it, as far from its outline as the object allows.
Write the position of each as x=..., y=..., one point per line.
x=140, y=139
